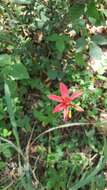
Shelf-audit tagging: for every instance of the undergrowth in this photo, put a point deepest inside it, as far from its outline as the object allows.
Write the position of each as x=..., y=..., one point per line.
x=45, y=43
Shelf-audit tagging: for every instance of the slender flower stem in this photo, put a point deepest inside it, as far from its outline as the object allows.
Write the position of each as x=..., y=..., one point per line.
x=60, y=127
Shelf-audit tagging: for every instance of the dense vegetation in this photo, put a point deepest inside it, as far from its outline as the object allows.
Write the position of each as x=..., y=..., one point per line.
x=45, y=44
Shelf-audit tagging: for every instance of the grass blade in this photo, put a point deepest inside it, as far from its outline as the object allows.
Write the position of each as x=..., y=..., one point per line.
x=89, y=178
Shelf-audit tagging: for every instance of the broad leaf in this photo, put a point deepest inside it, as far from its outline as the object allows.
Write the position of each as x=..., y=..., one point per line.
x=76, y=11
x=95, y=52
x=5, y=59
x=93, y=14
x=80, y=44
x=99, y=39
x=55, y=37
x=52, y=74
x=18, y=72
x=60, y=46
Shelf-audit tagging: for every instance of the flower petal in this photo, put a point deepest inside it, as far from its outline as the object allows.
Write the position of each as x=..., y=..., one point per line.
x=54, y=97
x=75, y=95
x=78, y=108
x=63, y=89
x=58, y=108
x=65, y=114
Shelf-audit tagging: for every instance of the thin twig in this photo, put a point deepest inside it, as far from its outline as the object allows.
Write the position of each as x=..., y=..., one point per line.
x=9, y=185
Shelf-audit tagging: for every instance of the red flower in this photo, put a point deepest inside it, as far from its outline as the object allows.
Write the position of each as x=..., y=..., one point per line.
x=65, y=101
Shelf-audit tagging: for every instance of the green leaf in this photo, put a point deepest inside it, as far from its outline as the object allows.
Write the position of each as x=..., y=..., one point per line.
x=80, y=44
x=60, y=41
x=93, y=185
x=100, y=181
x=105, y=11
x=6, y=37
x=79, y=59
x=25, y=2
x=92, y=10
x=5, y=59
x=56, y=37
x=52, y=74
x=18, y=72
x=60, y=46
x=9, y=104
x=6, y=133
x=5, y=149
x=94, y=16
x=7, y=153
x=11, y=112
x=39, y=115
x=76, y=11
x=99, y=39
x=2, y=165
x=13, y=87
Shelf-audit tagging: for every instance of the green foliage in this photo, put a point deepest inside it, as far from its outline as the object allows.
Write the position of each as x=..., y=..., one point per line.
x=5, y=150
x=99, y=39
x=41, y=44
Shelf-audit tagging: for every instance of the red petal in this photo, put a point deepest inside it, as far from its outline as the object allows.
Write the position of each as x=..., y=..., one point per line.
x=65, y=114
x=78, y=108
x=58, y=108
x=54, y=97
x=75, y=95
x=63, y=89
